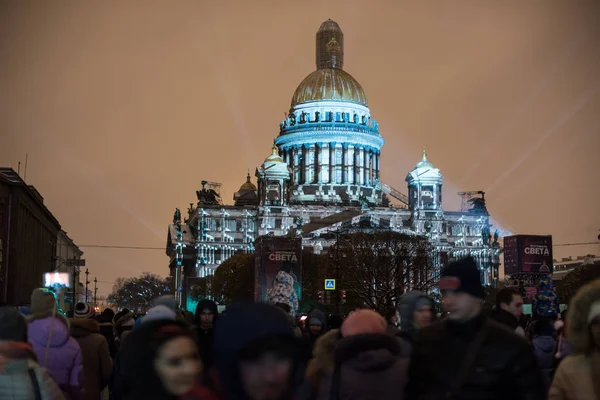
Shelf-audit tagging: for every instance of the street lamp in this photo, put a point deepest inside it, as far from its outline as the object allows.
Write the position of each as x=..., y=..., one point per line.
x=95, y=292
x=337, y=268
x=87, y=282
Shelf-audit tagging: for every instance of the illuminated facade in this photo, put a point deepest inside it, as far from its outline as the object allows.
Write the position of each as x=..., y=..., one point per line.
x=323, y=176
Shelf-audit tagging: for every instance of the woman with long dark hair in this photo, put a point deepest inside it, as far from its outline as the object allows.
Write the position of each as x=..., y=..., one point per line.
x=159, y=360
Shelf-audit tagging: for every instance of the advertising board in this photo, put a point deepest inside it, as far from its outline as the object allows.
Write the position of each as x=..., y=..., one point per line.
x=274, y=254
x=528, y=254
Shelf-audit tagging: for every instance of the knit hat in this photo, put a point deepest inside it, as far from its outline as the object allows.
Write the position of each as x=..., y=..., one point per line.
x=594, y=311
x=13, y=326
x=159, y=312
x=463, y=276
x=42, y=301
x=84, y=310
x=363, y=322
x=166, y=300
x=316, y=317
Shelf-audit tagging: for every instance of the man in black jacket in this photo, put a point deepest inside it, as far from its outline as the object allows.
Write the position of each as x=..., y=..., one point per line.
x=468, y=356
x=508, y=310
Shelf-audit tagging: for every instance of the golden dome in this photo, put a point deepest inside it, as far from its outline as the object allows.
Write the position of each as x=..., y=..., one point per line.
x=248, y=185
x=329, y=84
x=274, y=157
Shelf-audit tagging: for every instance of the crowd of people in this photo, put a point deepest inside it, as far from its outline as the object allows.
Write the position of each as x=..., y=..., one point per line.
x=258, y=351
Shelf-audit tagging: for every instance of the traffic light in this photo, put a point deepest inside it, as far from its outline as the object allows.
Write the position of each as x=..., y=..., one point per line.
x=343, y=297
x=321, y=299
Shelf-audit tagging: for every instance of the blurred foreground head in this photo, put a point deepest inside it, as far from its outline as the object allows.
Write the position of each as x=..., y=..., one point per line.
x=255, y=352
x=462, y=291
x=159, y=360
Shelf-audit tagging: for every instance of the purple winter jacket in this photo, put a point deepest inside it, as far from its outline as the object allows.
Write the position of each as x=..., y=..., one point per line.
x=58, y=352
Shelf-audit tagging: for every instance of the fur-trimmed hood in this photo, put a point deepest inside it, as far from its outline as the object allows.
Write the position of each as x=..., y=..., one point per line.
x=368, y=352
x=578, y=331
x=324, y=351
x=81, y=327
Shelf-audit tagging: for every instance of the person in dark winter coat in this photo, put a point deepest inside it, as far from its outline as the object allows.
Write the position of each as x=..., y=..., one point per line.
x=20, y=375
x=544, y=348
x=367, y=362
x=469, y=356
x=123, y=322
x=97, y=363
x=255, y=355
x=416, y=312
x=205, y=319
x=322, y=363
x=508, y=310
x=107, y=329
x=316, y=326
x=334, y=321
x=393, y=318
x=159, y=361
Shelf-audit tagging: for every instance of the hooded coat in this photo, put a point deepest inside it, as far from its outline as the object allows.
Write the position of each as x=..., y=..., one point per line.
x=323, y=361
x=309, y=339
x=97, y=363
x=544, y=348
x=577, y=376
x=406, y=309
x=368, y=366
x=205, y=336
x=283, y=292
x=57, y=351
x=244, y=325
x=107, y=329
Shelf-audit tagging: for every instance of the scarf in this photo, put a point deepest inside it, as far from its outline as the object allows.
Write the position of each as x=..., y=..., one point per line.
x=15, y=351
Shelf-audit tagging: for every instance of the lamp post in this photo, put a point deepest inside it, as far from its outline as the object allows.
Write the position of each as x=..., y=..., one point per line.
x=337, y=268
x=95, y=292
x=87, y=282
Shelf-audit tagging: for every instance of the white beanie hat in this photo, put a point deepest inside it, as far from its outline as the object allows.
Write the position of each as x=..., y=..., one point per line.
x=594, y=311
x=159, y=312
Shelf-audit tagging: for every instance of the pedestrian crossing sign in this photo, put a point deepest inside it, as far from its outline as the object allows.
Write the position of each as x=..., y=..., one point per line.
x=329, y=284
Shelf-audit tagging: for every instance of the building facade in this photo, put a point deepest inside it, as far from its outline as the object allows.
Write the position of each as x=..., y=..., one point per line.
x=323, y=176
x=68, y=256
x=28, y=236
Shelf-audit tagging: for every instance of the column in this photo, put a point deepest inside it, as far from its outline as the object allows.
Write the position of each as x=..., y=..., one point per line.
x=350, y=167
x=306, y=158
x=377, y=166
x=312, y=175
x=356, y=165
x=318, y=162
x=361, y=169
x=345, y=163
x=295, y=174
x=325, y=163
x=366, y=167
x=332, y=163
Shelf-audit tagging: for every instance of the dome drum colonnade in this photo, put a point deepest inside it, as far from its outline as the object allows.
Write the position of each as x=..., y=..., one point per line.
x=329, y=137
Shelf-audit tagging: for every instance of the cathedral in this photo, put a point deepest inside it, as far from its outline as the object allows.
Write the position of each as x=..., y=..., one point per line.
x=322, y=176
